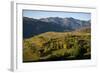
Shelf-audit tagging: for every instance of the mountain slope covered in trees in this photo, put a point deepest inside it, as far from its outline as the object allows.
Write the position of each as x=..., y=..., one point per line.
x=52, y=46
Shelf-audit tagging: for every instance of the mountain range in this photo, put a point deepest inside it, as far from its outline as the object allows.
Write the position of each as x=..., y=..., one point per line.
x=32, y=27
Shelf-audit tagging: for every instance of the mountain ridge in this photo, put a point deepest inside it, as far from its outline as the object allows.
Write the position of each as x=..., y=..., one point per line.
x=33, y=26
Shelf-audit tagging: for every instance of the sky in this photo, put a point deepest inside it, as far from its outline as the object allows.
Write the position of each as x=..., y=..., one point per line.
x=44, y=14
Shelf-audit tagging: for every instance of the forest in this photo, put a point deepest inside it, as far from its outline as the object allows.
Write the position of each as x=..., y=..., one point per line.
x=57, y=46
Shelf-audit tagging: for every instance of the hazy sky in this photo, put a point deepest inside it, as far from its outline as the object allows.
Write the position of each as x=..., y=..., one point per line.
x=45, y=14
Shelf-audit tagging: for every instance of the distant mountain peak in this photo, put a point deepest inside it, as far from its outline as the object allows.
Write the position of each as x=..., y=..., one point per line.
x=32, y=26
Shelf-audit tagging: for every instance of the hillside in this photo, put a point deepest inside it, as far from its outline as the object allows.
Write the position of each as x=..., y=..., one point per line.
x=52, y=46
x=86, y=29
